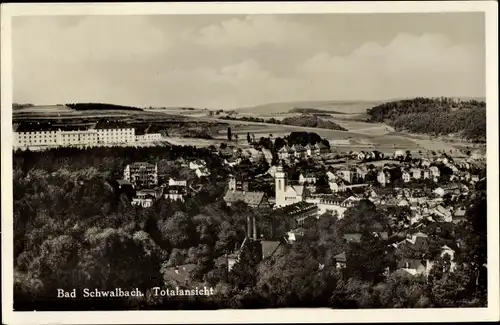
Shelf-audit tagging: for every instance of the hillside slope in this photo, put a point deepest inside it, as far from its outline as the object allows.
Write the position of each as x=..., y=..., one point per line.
x=347, y=107
x=435, y=116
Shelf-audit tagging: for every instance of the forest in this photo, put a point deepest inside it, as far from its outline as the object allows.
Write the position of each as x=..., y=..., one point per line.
x=312, y=121
x=101, y=106
x=305, y=120
x=313, y=111
x=72, y=231
x=435, y=116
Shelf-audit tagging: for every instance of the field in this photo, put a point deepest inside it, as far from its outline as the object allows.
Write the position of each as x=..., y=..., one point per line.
x=360, y=135
x=349, y=107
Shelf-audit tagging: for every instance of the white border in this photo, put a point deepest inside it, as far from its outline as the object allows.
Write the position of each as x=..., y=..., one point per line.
x=269, y=315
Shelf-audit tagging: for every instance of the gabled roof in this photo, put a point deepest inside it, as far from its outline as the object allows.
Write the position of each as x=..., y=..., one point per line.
x=412, y=263
x=141, y=164
x=250, y=198
x=340, y=257
x=123, y=182
x=269, y=248
x=459, y=213
x=298, y=207
x=298, y=147
x=299, y=189
x=355, y=237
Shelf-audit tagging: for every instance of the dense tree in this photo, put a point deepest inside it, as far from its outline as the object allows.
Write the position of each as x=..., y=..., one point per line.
x=440, y=116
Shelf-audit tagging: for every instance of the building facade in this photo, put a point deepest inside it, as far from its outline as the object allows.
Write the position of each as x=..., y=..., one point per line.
x=141, y=174
x=76, y=137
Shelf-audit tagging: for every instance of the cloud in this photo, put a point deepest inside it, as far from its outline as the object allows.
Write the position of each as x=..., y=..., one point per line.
x=91, y=38
x=251, y=32
x=425, y=65
x=221, y=62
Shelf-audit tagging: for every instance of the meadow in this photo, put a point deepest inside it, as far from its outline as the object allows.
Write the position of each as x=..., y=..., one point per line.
x=360, y=135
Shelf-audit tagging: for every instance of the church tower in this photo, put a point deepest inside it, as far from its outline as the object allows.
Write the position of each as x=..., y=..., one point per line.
x=280, y=186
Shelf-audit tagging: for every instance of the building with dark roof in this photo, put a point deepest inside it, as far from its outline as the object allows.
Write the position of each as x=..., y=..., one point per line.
x=252, y=199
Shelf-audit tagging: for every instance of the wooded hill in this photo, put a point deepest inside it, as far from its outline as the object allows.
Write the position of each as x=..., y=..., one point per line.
x=101, y=106
x=435, y=116
x=312, y=121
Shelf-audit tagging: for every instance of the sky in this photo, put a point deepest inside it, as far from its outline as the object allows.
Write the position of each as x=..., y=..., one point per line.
x=233, y=61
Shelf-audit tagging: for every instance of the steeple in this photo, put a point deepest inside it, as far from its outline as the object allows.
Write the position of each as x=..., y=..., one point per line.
x=280, y=185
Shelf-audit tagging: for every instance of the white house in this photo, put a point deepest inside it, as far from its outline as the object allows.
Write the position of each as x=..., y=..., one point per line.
x=307, y=178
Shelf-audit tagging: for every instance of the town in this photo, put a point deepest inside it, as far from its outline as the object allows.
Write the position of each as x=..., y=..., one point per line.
x=410, y=205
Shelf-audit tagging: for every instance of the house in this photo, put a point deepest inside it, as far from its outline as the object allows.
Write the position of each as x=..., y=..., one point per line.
x=320, y=148
x=459, y=215
x=340, y=260
x=309, y=178
x=334, y=187
x=434, y=171
x=399, y=154
x=474, y=178
x=439, y=191
x=237, y=184
x=383, y=178
x=148, y=193
x=143, y=202
x=202, y=172
x=370, y=155
x=194, y=165
x=417, y=241
x=272, y=171
x=175, y=192
x=309, y=150
x=173, y=182
x=413, y=266
x=352, y=237
x=446, y=250
x=406, y=176
x=299, y=151
x=361, y=172
x=331, y=176
x=416, y=173
x=345, y=174
x=232, y=161
x=476, y=155
x=443, y=213
x=425, y=163
x=453, y=168
x=122, y=186
x=141, y=174
x=403, y=203
x=296, y=234
x=268, y=156
x=252, y=199
x=254, y=155
x=285, y=152
x=361, y=155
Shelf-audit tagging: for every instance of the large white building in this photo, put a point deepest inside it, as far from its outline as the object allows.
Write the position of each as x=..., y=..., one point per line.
x=77, y=137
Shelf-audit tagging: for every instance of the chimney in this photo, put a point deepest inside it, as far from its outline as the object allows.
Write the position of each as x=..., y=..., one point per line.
x=254, y=229
x=249, y=228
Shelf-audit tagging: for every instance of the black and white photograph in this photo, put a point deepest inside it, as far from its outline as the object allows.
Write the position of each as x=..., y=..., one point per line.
x=177, y=160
